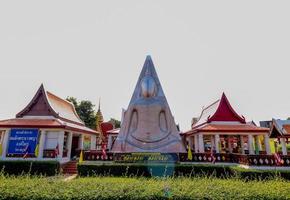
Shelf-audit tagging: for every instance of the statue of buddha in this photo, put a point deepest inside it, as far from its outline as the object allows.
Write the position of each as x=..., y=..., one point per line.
x=148, y=125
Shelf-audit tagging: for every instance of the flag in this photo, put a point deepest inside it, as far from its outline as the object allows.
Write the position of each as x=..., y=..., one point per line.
x=189, y=153
x=213, y=158
x=272, y=146
x=0, y=149
x=278, y=159
x=81, y=159
x=104, y=151
x=56, y=151
x=36, y=151
x=26, y=151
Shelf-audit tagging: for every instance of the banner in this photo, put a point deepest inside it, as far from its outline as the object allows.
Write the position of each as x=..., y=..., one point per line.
x=22, y=141
x=87, y=142
x=146, y=158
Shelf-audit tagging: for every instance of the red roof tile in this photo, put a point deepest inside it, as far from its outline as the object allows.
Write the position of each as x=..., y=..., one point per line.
x=225, y=112
x=286, y=128
x=228, y=128
x=45, y=123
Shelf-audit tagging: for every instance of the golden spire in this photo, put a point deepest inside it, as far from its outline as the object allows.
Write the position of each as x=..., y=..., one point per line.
x=99, y=118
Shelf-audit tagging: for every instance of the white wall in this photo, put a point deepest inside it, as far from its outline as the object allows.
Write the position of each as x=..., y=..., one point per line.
x=51, y=139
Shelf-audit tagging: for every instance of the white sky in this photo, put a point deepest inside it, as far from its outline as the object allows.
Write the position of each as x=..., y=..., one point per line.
x=92, y=49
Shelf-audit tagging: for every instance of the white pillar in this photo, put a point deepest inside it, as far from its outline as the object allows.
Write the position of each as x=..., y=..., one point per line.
x=258, y=142
x=69, y=144
x=196, y=147
x=250, y=145
x=5, y=143
x=212, y=144
x=230, y=147
x=284, y=147
x=93, y=142
x=267, y=144
x=81, y=142
x=190, y=142
x=217, y=143
x=110, y=142
x=200, y=143
x=242, y=144
x=60, y=144
x=41, y=144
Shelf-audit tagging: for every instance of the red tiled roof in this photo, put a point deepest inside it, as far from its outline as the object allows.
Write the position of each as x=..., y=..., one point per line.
x=106, y=127
x=63, y=108
x=114, y=131
x=286, y=128
x=228, y=128
x=45, y=123
x=225, y=112
x=220, y=110
x=30, y=123
x=47, y=104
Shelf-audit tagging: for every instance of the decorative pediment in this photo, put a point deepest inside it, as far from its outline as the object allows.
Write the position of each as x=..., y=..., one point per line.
x=38, y=106
x=225, y=112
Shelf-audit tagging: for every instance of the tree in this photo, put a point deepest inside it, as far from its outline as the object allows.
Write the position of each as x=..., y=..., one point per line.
x=115, y=122
x=86, y=111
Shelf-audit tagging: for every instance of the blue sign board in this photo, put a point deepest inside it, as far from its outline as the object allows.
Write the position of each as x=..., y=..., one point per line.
x=22, y=141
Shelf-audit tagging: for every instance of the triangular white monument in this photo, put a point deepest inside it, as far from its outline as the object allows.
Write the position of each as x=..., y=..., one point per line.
x=148, y=124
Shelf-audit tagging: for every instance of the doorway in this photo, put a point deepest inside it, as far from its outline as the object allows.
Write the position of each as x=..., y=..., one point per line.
x=75, y=147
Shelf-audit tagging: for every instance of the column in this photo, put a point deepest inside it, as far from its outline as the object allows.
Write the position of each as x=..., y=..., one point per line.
x=190, y=142
x=200, y=143
x=5, y=143
x=69, y=144
x=93, y=142
x=258, y=142
x=41, y=144
x=217, y=143
x=196, y=147
x=110, y=142
x=60, y=144
x=284, y=147
x=267, y=144
x=230, y=148
x=250, y=145
x=242, y=144
x=212, y=144
x=81, y=142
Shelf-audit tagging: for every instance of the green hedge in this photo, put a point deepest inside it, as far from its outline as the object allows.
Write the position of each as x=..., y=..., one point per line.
x=104, y=188
x=159, y=170
x=48, y=168
x=252, y=174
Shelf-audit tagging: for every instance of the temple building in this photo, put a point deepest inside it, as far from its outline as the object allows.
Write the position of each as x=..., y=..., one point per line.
x=148, y=124
x=99, y=121
x=48, y=128
x=280, y=132
x=220, y=129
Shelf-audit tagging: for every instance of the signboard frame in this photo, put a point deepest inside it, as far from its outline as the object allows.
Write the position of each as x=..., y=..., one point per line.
x=24, y=139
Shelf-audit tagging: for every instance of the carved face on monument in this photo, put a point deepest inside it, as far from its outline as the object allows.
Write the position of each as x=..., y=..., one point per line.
x=148, y=87
x=148, y=125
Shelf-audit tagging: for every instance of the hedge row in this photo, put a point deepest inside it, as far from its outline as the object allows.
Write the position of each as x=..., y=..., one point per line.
x=104, y=188
x=159, y=170
x=48, y=168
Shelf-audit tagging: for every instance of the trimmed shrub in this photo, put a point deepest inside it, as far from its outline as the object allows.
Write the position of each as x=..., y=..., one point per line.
x=154, y=170
x=104, y=188
x=161, y=170
x=252, y=174
x=47, y=168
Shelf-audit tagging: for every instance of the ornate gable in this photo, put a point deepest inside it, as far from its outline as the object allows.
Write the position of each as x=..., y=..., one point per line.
x=225, y=112
x=38, y=106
